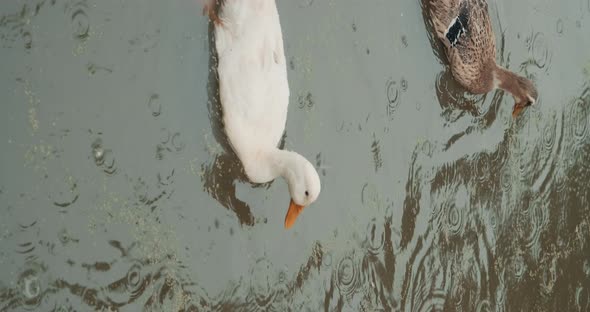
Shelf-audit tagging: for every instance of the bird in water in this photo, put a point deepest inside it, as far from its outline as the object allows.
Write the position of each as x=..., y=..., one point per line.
x=465, y=29
x=254, y=94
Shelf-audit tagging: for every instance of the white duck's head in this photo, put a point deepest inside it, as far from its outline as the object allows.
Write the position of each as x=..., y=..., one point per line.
x=304, y=186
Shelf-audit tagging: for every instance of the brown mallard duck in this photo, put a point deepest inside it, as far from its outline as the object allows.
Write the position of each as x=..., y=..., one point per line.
x=465, y=29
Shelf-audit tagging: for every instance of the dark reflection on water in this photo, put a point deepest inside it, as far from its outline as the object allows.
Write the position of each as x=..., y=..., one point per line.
x=120, y=192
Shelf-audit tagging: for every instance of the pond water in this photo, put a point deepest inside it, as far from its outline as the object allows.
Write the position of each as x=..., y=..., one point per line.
x=118, y=191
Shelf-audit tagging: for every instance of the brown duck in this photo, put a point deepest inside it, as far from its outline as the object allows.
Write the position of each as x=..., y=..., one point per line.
x=465, y=29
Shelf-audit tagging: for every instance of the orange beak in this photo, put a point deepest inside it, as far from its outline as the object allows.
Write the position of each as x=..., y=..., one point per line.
x=292, y=214
x=517, y=109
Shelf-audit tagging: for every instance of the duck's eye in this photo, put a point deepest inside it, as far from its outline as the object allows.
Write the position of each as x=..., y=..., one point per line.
x=306, y=193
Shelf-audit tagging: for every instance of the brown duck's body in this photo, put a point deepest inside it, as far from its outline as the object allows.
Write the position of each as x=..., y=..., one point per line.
x=465, y=29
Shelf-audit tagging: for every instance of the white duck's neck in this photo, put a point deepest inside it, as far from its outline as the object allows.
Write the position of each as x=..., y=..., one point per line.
x=270, y=164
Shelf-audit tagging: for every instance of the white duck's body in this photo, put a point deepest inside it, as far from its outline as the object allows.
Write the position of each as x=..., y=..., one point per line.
x=254, y=94
x=253, y=85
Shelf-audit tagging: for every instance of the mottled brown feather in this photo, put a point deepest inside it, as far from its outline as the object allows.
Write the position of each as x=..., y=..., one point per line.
x=473, y=59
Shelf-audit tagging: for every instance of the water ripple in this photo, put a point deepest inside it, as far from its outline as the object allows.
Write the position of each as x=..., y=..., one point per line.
x=169, y=142
x=348, y=277
x=540, y=54
x=533, y=220
x=135, y=281
x=375, y=237
x=376, y=151
x=79, y=19
x=392, y=94
x=370, y=197
x=578, y=117
x=540, y=50
x=484, y=306
x=583, y=298
x=305, y=101
x=481, y=168
x=67, y=197
x=103, y=158
x=305, y=3
x=31, y=286
x=155, y=105
x=262, y=283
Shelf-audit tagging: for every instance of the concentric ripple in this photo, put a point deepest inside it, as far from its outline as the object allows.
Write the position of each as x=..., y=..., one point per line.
x=30, y=286
x=375, y=236
x=506, y=179
x=532, y=225
x=539, y=49
x=548, y=152
x=434, y=302
x=370, y=197
x=583, y=298
x=484, y=306
x=392, y=93
x=454, y=213
x=155, y=105
x=79, y=20
x=262, y=283
x=135, y=281
x=305, y=3
x=103, y=158
x=482, y=168
x=348, y=277
x=559, y=26
x=518, y=267
x=579, y=122
x=454, y=220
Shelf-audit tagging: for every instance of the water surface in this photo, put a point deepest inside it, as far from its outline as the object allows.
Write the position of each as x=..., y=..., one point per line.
x=118, y=191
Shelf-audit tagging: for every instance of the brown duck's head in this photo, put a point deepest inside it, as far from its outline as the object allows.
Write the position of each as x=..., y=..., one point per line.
x=525, y=95
x=522, y=89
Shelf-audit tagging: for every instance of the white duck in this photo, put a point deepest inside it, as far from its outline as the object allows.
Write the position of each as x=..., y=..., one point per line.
x=254, y=94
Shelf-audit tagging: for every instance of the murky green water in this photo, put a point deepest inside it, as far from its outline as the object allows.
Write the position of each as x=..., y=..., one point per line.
x=117, y=190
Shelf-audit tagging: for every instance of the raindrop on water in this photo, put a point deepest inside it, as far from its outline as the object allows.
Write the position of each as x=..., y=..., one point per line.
x=370, y=197
x=586, y=268
x=540, y=50
x=135, y=281
x=27, y=39
x=482, y=168
x=327, y=259
x=549, y=131
x=579, y=121
x=80, y=22
x=305, y=3
x=177, y=142
x=375, y=236
x=404, y=84
x=98, y=152
x=484, y=306
x=154, y=105
x=305, y=100
x=262, y=285
x=583, y=299
x=519, y=267
x=30, y=286
x=392, y=97
x=347, y=277
x=559, y=26
x=64, y=236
